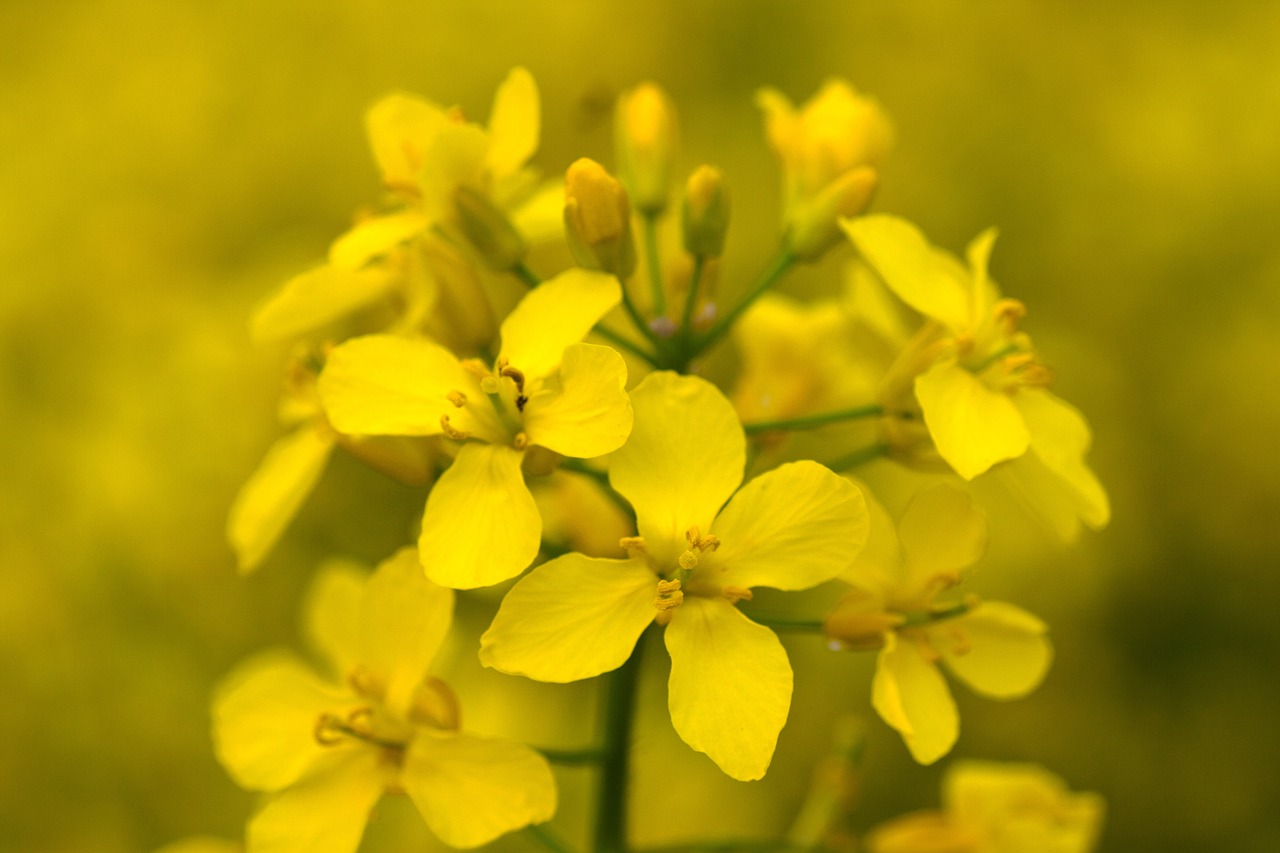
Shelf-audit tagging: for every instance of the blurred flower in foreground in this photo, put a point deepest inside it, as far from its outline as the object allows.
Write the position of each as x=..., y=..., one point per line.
x=327, y=748
x=997, y=808
x=792, y=528
x=830, y=150
x=999, y=650
x=481, y=524
x=202, y=844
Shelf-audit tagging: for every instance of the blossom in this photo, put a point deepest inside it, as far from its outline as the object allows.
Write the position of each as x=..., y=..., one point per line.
x=999, y=650
x=976, y=379
x=327, y=747
x=695, y=558
x=990, y=807
x=481, y=524
x=830, y=150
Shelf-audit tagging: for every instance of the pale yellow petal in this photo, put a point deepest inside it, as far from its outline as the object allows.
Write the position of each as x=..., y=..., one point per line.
x=514, y=123
x=1060, y=437
x=470, y=789
x=555, y=314
x=941, y=532
x=792, y=528
x=1044, y=494
x=404, y=620
x=780, y=122
x=683, y=460
x=401, y=128
x=325, y=812
x=374, y=238
x=1022, y=807
x=1002, y=652
x=264, y=719
x=540, y=217
x=274, y=493
x=878, y=566
x=972, y=426
x=905, y=261
x=730, y=686
x=481, y=525
x=331, y=614
x=984, y=292
x=571, y=618
x=315, y=298
x=587, y=412
x=387, y=385
x=456, y=157
x=911, y=695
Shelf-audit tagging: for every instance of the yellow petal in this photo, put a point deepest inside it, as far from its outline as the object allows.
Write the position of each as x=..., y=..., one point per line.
x=386, y=385
x=973, y=426
x=374, y=238
x=1005, y=653
x=481, y=525
x=470, y=789
x=457, y=156
x=984, y=293
x=911, y=695
x=587, y=413
x=683, y=460
x=781, y=122
x=540, y=217
x=1043, y=493
x=315, y=298
x=905, y=261
x=1022, y=807
x=1060, y=437
x=513, y=123
x=571, y=618
x=401, y=128
x=324, y=813
x=271, y=497
x=404, y=620
x=878, y=566
x=331, y=614
x=942, y=532
x=792, y=528
x=730, y=687
x=555, y=314
x=264, y=719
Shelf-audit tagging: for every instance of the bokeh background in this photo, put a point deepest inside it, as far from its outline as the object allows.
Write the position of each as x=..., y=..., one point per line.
x=164, y=166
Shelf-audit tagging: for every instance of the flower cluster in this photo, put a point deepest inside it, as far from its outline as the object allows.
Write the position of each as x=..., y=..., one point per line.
x=573, y=446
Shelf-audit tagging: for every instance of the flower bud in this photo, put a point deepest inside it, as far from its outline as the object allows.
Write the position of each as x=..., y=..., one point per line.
x=813, y=227
x=597, y=219
x=645, y=133
x=488, y=229
x=706, y=213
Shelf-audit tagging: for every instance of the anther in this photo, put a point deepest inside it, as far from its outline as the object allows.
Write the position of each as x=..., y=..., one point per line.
x=1007, y=313
x=692, y=535
x=452, y=431
x=475, y=367
x=327, y=730
x=734, y=594
x=710, y=542
x=457, y=398
x=633, y=543
x=515, y=375
x=670, y=596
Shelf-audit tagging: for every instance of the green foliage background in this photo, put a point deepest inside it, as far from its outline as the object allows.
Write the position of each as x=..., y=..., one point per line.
x=163, y=166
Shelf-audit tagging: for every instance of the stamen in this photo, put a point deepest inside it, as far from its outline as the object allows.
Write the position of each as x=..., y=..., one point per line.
x=516, y=376
x=670, y=596
x=475, y=367
x=1007, y=313
x=734, y=594
x=692, y=535
x=521, y=441
x=457, y=398
x=634, y=543
x=925, y=646
x=328, y=730
x=710, y=542
x=451, y=431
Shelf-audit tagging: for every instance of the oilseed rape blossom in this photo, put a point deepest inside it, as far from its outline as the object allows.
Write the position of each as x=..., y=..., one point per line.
x=545, y=389
x=326, y=747
x=999, y=650
x=694, y=559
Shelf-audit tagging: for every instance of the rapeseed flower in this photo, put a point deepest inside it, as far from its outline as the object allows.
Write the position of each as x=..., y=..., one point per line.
x=481, y=524
x=695, y=558
x=999, y=650
x=326, y=747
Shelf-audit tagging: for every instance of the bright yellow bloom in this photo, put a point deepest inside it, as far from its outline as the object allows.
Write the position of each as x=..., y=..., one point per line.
x=327, y=747
x=481, y=524
x=831, y=150
x=976, y=378
x=999, y=650
x=792, y=528
x=997, y=808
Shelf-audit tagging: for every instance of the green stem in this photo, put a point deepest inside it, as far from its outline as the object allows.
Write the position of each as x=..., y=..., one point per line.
x=782, y=262
x=691, y=298
x=528, y=276
x=655, y=268
x=928, y=617
x=784, y=623
x=611, y=808
x=619, y=341
x=734, y=847
x=870, y=410
x=859, y=457
x=548, y=839
x=573, y=757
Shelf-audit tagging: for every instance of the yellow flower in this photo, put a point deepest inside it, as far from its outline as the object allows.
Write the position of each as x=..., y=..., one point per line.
x=976, y=378
x=328, y=747
x=997, y=808
x=792, y=528
x=645, y=135
x=999, y=650
x=481, y=524
x=831, y=151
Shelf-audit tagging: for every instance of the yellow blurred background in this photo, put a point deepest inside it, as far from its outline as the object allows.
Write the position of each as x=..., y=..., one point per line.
x=164, y=166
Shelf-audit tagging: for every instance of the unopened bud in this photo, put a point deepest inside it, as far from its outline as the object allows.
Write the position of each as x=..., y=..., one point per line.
x=706, y=212
x=488, y=229
x=813, y=228
x=597, y=219
x=645, y=131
